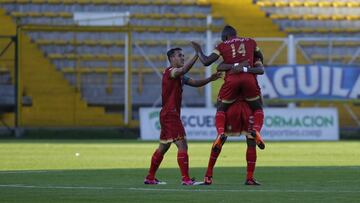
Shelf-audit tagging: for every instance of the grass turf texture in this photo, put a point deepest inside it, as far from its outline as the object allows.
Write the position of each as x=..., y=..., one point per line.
x=113, y=171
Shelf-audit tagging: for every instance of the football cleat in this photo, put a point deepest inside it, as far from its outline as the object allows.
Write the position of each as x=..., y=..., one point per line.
x=258, y=139
x=190, y=182
x=153, y=182
x=207, y=180
x=252, y=182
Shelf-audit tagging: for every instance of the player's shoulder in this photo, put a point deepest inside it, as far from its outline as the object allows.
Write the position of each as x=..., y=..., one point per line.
x=246, y=39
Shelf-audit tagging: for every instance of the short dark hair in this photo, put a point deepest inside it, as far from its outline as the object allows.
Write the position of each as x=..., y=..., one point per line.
x=228, y=31
x=172, y=51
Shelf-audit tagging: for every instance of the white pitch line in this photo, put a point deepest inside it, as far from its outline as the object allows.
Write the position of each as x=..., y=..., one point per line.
x=190, y=189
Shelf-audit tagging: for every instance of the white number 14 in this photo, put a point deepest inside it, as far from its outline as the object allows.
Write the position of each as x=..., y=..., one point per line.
x=241, y=50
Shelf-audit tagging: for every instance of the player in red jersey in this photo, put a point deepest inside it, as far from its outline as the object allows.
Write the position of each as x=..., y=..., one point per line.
x=239, y=121
x=237, y=52
x=172, y=129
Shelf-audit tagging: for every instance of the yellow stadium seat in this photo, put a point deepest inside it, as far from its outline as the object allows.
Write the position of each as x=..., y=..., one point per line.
x=352, y=30
x=49, y=14
x=339, y=4
x=307, y=30
x=199, y=29
x=325, y=4
x=338, y=17
x=184, y=29
x=155, y=15
x=187, y=2
x=139, y=15
x=34, y=14
x=353, y=4
x=55, y=1
x=170, y=15
x=323, y=30
x=310, y=4
x=18, y=14
x=294, y=17
x=281, y=4
x=22, y=1
x=139, y=28
x=353, y=17
x=324, y=17
x=296, y=3
x=154, y=29
x=278, y=16
x=337, y=30
x=310, y=17
x=184, y=15
x=39, y=1
x=169, y=29
x=199, y=15
x=7, y=1
x=265, y=3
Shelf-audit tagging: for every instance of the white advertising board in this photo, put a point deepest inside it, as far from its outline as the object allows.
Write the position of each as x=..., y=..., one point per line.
x=279, y=124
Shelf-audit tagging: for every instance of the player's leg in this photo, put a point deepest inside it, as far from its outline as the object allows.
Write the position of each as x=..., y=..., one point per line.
x=183, y=161
x=227, y=95
x=252, y=94
x=220, y=116
x=258, y=120
x=214, y=154
x=251, y=161
x=156, y=160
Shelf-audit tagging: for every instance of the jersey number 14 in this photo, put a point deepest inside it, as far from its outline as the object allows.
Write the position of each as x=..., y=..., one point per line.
x=241, y=50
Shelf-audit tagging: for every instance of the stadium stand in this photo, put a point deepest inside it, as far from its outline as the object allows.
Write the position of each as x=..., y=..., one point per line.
x=318, y=18
x=92, y=60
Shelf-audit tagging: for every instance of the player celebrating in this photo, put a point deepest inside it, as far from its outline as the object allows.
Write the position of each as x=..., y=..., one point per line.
x=239, y=121
x=235, y=51
x=172, y=129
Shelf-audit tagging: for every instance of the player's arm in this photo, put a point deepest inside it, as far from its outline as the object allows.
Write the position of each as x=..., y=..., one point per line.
x=183, y=70
x=206, y=60
x=258, y=54
x=242, y=68
x=226, y=67
x=202, y=82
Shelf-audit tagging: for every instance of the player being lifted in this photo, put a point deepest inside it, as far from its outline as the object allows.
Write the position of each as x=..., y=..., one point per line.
x=239, y=121
x=172, y=130
x=243, y=55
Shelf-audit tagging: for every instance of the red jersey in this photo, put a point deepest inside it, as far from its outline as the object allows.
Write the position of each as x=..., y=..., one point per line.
x=171, y=92
x=237, y=50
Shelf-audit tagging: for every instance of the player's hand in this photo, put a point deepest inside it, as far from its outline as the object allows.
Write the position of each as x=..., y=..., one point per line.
x=215, y=76
x=239, y=68
x=196, y=46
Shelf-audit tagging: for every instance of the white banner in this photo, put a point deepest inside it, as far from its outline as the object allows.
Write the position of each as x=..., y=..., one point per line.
x=279, y=124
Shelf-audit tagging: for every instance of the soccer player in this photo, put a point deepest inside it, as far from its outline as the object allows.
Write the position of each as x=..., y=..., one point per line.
x=172, y=130
x=239, y=121
x=235, y=51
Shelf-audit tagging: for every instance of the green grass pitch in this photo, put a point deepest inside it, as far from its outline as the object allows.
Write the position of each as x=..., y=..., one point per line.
x=113, y=171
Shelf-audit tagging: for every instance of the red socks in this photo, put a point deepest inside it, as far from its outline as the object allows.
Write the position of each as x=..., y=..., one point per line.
x=220, y=122
x=251, y=161
x=156, y=159
x=183, y=161
x=258, y=119
x=212, y=160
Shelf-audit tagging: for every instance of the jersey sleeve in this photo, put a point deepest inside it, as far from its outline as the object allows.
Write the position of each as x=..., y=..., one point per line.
x=217, y=49
x=172, y=72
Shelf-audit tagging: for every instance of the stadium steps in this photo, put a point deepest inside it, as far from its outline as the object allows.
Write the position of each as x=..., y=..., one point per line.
x=55, y=102
x=7, y=28
x=246, y=17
